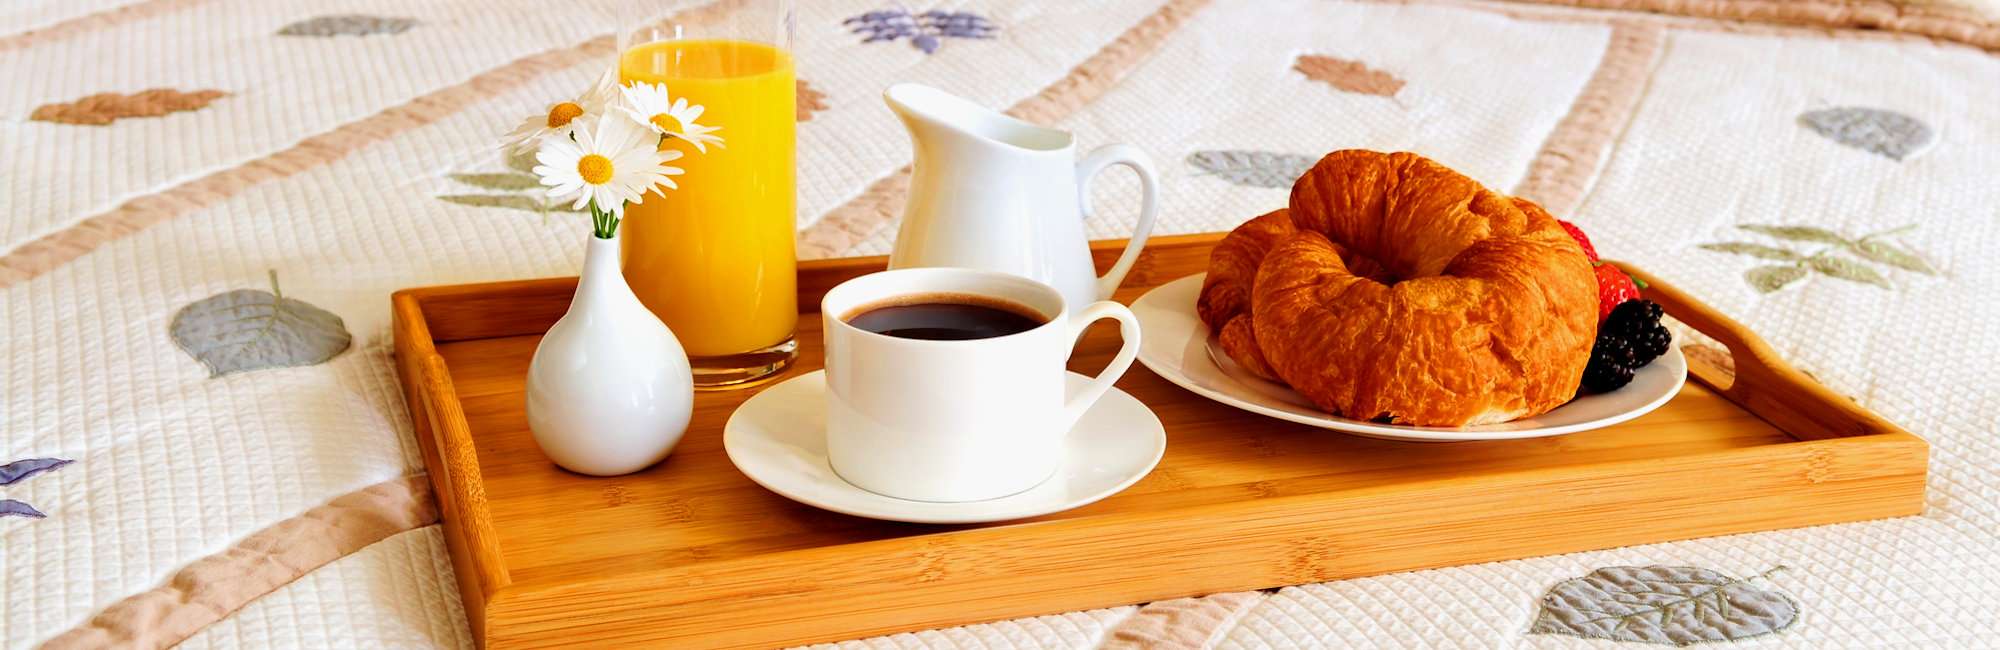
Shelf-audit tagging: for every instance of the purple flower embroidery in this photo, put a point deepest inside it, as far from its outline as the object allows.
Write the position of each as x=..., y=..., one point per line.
x=923, y=30
x=22, y=470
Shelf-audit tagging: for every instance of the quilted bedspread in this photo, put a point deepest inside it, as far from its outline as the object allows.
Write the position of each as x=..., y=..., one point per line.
x=1825, y=171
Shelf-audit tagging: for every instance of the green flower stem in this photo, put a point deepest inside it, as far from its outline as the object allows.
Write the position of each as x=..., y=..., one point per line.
x=603, y=224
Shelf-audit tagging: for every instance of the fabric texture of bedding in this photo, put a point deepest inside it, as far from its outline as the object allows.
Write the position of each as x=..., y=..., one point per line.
x=1821, y=171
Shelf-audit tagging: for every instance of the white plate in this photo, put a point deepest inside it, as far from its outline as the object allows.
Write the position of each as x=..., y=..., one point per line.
x=778, y=439
x=1177, y=346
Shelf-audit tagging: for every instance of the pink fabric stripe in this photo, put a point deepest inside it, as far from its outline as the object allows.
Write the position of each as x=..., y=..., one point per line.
x=93, y=22
x=1569, y=158
x=1182, y=623
x=60, y=247
x=881, y=203
x=216, y=586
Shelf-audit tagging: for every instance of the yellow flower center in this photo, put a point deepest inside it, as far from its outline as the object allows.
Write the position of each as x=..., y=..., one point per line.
x=561, y=114
x=595, y=169
x=666, y=123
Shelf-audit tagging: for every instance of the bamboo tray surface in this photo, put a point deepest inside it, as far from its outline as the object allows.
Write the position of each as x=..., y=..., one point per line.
x=691, y=553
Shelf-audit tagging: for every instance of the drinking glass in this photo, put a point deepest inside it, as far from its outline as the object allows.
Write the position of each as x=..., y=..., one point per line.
x=715, y=259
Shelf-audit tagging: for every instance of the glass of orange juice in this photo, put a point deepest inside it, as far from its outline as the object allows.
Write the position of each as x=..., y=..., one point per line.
x=715, y=259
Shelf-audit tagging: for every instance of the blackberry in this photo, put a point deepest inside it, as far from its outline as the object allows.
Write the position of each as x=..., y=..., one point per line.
x=1613, y=350
x=1651, y=343
x=1604, y=378
x=1627, y=340
x=1632, y=317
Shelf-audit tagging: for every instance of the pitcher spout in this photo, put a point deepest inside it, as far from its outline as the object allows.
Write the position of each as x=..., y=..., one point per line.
x=931, y=114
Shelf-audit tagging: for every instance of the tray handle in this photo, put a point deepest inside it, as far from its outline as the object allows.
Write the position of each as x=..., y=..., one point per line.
x=460, y=464
x=1763, y=382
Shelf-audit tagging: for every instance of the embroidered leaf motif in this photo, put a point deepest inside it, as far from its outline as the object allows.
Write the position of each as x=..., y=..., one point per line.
x=1664, y=605
x=1876, y=251
x=1766, y=279
x=1755, y=250
x=21, y=470
x=523, y=161
x=924, y=30
x=247, y=329
x=522, y=202
x=810, y=101
x=12, y=508
x=347, y=25
x=1847, y=269
x=1888, y=133
x=502, y=182
x=104, y=108
x=1351, y=76
x=1252, y=168
x=1797, y=233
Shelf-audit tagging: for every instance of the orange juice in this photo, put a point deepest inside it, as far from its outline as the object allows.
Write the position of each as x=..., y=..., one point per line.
x=715, y=259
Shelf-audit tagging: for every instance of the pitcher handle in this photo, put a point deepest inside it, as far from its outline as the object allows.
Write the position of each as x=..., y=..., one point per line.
x=1149, y=183
x=1128, y=329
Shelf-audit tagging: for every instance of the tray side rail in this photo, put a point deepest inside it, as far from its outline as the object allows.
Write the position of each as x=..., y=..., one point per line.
x=445, y=440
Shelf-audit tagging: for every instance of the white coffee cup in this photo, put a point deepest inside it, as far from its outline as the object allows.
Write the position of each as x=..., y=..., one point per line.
x=955, y=421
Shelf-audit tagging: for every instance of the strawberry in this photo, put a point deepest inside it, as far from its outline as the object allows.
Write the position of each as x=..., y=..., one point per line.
x=1577, y=234
x=1613, y=287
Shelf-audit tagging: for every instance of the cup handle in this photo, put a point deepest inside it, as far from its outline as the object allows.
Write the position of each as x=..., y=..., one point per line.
x=1128, y=329
x=1149, y=182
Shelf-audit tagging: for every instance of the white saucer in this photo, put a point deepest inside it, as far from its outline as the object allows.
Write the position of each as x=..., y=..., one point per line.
x=1177, y=346
x=778, y=439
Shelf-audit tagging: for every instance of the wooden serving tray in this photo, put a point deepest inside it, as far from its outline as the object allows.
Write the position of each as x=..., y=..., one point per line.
x=691, y=554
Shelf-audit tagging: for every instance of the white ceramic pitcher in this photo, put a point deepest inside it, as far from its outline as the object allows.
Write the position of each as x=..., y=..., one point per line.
x=992, y=192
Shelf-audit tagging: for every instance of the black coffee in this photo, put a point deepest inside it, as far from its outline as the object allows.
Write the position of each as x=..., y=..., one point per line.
x=943, y=317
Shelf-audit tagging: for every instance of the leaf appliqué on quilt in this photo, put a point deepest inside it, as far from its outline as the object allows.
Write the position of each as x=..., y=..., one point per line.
x=248, y=329
x=1888, y=133
x=104, y=108
x=1252, y=168
x=1665, y=605
x=810, y=101
x=12, y=508
x=519, y=189
x=347, y=25
x=925, y=31
x=523, y=202
x=1348, y=75
x=1859, y=260
x=26, y=468
x=22, y=470
x=503, y=181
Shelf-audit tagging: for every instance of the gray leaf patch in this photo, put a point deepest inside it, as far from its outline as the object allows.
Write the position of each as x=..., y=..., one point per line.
x=1798, y=233
x=1848, y=270
x=1664, y=605
x=1252, y=168
x=1759, y=251
x=347, y=25
x=1888, y=133
x=21, y=470
x=1767, y=279
x=247, y=329
x=12, y=508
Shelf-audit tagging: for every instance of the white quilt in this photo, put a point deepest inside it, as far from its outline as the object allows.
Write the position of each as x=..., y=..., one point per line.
x=171, y=465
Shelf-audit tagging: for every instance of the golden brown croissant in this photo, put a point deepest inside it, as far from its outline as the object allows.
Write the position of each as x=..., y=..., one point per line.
x=1395, y=289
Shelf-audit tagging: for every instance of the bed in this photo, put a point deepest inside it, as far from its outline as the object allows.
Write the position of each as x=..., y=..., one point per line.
x=163, y=159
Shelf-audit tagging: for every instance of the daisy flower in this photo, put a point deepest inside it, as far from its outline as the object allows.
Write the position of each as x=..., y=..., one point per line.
x=561, y=117
x=609, y=163
x=650, y=106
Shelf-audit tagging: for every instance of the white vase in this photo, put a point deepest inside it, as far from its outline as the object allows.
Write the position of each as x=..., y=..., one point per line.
x=609, y=390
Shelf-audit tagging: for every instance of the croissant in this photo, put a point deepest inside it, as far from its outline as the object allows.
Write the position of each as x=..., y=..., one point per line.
x=1396, y=290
